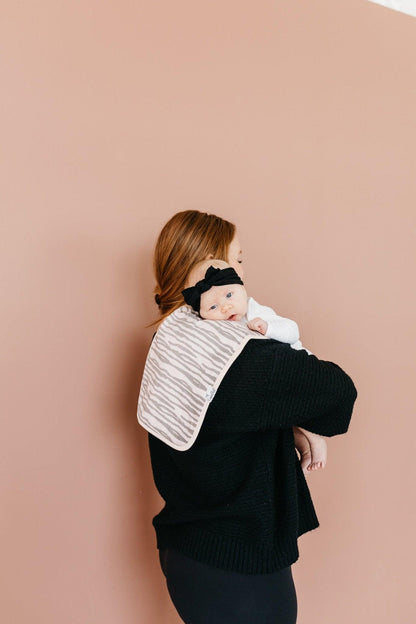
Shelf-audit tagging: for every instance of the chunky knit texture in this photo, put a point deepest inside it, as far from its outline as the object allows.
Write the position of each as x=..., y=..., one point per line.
x=238, y=499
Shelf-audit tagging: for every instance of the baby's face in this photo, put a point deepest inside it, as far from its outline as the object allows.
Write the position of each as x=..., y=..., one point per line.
x=226, y=302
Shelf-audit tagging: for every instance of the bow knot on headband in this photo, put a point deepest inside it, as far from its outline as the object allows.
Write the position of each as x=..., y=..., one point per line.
x=213, y=277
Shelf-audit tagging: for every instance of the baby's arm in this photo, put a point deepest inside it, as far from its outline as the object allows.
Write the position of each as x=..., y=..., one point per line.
x=298, y=345
x=278, y=327
x=275, y=326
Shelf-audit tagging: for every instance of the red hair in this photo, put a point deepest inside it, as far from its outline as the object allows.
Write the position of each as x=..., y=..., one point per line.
x=187, y=238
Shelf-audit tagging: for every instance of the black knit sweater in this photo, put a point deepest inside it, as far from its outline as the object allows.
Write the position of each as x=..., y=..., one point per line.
x=238, y=498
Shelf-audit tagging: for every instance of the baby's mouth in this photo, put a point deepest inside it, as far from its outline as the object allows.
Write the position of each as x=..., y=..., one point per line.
x=232, y=317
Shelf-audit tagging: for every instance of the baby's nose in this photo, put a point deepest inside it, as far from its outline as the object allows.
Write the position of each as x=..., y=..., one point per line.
x=226, y=306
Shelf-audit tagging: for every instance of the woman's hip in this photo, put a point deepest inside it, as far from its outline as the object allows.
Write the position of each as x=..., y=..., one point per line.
x=204, y=594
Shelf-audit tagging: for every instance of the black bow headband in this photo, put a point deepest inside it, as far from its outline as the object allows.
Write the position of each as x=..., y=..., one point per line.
x=213, y=277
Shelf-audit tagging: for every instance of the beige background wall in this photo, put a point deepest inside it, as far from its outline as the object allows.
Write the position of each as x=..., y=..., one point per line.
x=297, y=122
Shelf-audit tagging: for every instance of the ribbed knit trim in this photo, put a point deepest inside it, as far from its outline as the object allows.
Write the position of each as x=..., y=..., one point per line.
x=227, y=553
x=307, y=520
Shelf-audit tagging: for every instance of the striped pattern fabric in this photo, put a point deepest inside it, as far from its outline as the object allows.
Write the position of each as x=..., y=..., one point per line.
x=186, y=362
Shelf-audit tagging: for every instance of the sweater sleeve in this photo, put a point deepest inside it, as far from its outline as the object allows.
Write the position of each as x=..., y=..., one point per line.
x=306, y=391
x=272, y=386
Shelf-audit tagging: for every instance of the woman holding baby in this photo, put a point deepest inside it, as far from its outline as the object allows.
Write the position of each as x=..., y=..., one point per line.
x=236, y=498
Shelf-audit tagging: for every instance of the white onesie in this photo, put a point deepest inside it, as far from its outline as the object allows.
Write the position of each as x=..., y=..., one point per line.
x=278, y=327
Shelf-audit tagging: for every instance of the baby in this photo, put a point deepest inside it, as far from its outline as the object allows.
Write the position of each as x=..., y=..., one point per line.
x=219, y=294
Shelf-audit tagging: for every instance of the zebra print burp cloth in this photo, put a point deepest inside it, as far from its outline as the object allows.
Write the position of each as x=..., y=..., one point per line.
x=186, y=363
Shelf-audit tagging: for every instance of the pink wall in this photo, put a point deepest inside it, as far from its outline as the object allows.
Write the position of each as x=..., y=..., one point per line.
x=297, y=122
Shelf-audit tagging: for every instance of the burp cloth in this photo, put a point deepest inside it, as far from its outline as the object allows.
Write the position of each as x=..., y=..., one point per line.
x=185, y=365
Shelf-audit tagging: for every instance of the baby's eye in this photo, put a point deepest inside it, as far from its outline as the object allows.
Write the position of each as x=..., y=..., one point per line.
x=240, y=261
x=213, y=307
x=230, y=293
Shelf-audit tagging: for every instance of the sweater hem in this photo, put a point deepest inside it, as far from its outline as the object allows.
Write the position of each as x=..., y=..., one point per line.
x=228, y=553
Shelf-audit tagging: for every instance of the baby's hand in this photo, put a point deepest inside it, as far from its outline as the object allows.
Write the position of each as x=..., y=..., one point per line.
x=258, y=324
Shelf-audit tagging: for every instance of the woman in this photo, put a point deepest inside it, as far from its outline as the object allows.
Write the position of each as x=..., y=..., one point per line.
x=237, y=500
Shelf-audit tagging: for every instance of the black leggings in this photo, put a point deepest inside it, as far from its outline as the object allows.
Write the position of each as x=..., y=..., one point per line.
x=203, y=594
